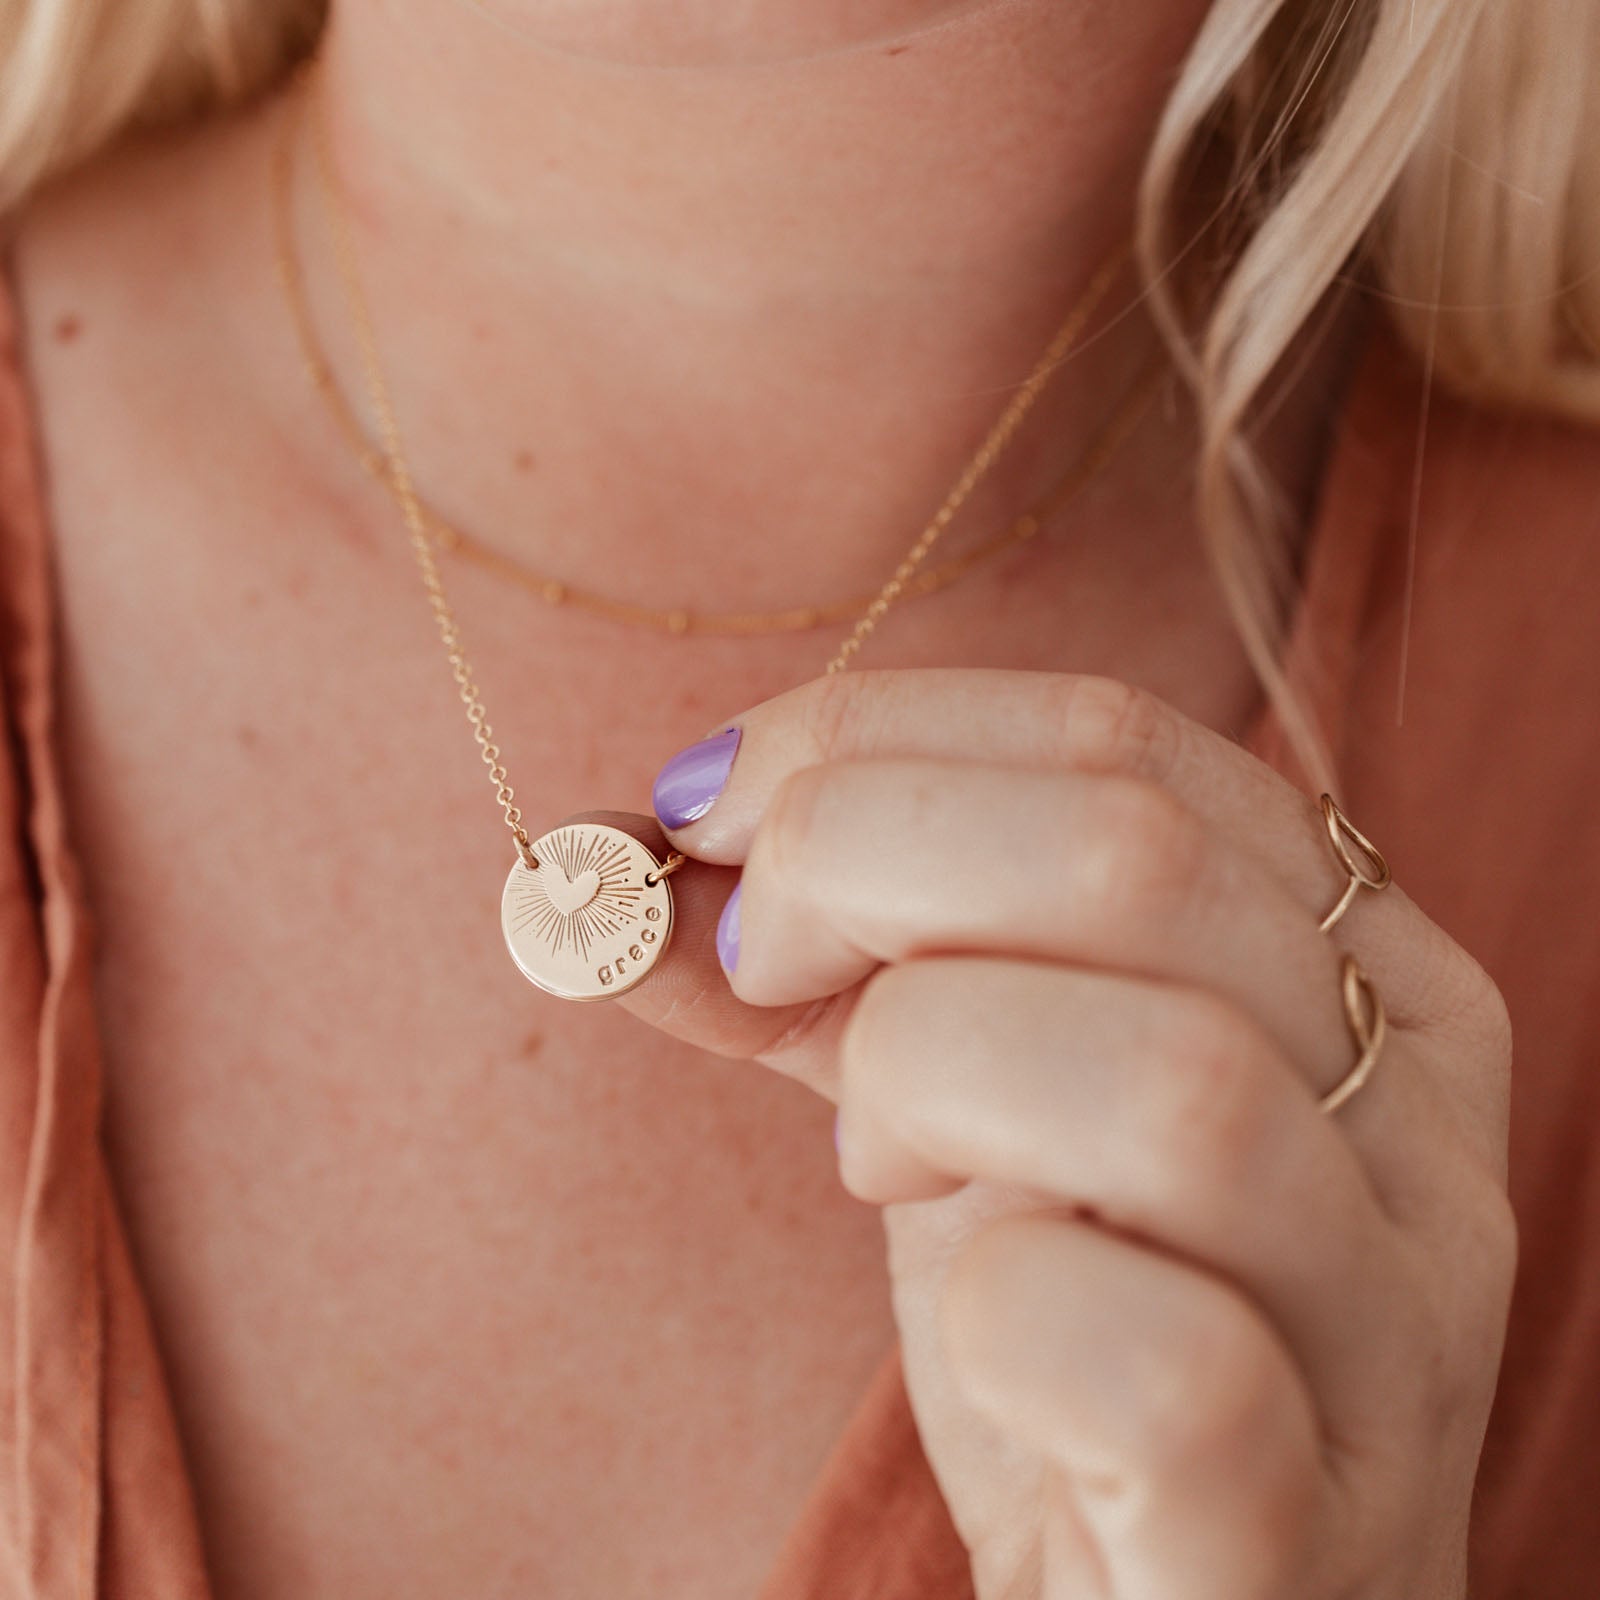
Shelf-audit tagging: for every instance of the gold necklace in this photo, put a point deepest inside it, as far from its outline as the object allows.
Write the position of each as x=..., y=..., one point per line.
x=587, y=909
x=681, y=620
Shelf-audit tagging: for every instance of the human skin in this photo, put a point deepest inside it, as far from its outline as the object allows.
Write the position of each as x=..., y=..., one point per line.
x=712, y=317
x=676, y=253
x=1053, y=949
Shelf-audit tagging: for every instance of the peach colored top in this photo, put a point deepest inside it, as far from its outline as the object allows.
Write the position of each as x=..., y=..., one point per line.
x=1484, y=800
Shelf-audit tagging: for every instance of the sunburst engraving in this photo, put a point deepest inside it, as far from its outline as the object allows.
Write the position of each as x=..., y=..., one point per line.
x=581, y=894
x=592, y=919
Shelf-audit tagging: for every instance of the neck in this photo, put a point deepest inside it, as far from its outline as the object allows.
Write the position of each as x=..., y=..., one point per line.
x=648, y=276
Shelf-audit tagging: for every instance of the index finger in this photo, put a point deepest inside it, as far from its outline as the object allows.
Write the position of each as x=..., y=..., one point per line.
x=1079, y=721
x=710, y=797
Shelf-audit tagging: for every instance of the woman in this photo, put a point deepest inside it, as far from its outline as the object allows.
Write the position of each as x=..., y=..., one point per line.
x=345, y=1263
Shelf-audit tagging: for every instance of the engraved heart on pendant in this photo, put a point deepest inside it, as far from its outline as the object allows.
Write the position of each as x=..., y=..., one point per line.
x=591, y=920
x=570, y=894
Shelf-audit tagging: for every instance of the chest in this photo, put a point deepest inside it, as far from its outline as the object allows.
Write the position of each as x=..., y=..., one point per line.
x=413, y=1234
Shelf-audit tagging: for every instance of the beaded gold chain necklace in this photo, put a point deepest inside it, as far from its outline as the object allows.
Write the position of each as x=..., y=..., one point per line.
x=587, y=909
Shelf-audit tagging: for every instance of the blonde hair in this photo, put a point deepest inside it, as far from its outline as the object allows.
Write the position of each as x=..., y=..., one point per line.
x=1451, y=148
x=1448, y=149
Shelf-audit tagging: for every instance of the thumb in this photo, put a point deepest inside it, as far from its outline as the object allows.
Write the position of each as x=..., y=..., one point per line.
x=686, y=993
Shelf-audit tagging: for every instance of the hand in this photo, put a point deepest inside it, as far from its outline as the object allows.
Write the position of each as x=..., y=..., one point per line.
x=1169, y=1331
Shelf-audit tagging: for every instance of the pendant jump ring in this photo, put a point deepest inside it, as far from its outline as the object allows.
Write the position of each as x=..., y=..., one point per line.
x=525, y=850
x=666, y=869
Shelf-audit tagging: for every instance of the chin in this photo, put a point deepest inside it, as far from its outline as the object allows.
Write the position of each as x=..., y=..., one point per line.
x=720, y=33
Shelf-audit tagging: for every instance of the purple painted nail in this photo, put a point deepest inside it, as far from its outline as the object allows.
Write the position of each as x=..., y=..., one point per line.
x=728, y=932
x=692, y=779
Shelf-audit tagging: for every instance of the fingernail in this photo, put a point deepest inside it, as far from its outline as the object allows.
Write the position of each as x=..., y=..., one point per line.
x=688, y=784
x=728, y=932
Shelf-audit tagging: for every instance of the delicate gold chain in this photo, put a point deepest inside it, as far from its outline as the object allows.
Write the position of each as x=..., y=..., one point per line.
x=558, y=592
x=422, y=526
x=977, y=468
x=416, y=526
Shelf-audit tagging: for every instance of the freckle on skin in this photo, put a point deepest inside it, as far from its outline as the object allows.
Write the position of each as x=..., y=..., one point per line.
x=523, y=461
x=248, y=736
x=532, y=1044
x=897, y=49
x=68, y=327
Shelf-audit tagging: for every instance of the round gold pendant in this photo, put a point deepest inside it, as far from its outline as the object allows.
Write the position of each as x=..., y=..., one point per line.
x=592, y=918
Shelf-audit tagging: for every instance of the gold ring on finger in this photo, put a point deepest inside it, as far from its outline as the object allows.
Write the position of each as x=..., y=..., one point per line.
x=1341, y=828
x=1367, y=1028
